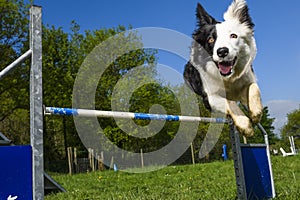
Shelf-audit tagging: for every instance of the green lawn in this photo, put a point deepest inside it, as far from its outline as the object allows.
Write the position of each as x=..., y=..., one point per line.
x=202, y=181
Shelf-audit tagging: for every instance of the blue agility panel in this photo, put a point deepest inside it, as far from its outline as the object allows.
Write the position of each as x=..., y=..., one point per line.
x=257, y=172
x=16, y=172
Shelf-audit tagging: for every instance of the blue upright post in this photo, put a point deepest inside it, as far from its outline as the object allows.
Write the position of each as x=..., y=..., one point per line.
x=224, y=154
x=253, y=170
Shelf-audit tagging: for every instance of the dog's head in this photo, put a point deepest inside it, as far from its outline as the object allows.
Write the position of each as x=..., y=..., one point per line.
x=230, y=43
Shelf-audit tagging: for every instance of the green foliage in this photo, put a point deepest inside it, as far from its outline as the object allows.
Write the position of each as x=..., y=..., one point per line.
x=63, y=55
x=13, y=29
x=14, y=96
x=291, y=128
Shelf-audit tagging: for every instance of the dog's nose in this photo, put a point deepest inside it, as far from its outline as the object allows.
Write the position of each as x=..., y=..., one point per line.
x=222, y=52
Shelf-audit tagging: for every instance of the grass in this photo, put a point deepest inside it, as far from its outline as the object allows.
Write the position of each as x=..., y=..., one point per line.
x=201, y=181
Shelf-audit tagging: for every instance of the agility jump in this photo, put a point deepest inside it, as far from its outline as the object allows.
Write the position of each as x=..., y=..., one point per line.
x=252, y=164
x=129, y=115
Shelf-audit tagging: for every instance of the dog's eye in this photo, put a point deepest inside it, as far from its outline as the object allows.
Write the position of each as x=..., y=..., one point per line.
x=234, y=36
x=211, y=40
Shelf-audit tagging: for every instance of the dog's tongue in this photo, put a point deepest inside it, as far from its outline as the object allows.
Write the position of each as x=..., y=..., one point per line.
x=224, y=69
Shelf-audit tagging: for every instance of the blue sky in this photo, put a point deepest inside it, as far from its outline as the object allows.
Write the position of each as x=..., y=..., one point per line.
x=277, y=30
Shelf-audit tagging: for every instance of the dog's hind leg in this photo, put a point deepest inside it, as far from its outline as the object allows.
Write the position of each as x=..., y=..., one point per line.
x=240, y=120
x=254, y=103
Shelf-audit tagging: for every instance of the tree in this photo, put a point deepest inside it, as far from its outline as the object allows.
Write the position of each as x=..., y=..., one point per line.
x=63, y=57
x=14, y=100
x=13, y=29
x=291, y=128
x=13, y=34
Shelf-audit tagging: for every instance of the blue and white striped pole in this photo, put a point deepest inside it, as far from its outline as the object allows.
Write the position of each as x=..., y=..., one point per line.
x=128, y=115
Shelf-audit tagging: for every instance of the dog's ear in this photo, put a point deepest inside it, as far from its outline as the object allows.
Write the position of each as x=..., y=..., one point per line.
x=239, y=10
x=203, y=17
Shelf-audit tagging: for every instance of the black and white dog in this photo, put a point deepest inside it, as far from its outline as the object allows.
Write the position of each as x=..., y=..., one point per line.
x=220, y=66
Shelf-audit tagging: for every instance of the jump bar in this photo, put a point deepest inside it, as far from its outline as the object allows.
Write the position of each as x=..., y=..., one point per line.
x=128, y=115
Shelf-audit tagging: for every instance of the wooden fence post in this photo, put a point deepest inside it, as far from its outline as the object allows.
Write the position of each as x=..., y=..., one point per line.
x=70, y=160
x=111, y=163
x=142, y=158
x=101, y=161
x=76, y=161
x=91, y=158
x=192, y=152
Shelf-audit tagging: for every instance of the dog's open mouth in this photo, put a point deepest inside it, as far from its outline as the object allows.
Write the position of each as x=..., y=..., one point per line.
x=226, y=67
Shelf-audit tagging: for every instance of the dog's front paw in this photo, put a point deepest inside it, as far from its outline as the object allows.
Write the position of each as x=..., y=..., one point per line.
x=256, y=115
x=244, y=126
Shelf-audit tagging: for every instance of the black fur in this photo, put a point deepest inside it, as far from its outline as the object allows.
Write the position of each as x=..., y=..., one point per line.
x=193, y=80
x=244, y=17
x=206, y=30
x=202, y=35
x=203, y=17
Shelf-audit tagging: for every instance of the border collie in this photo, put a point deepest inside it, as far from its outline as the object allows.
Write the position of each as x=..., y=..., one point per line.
x=220, y=66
